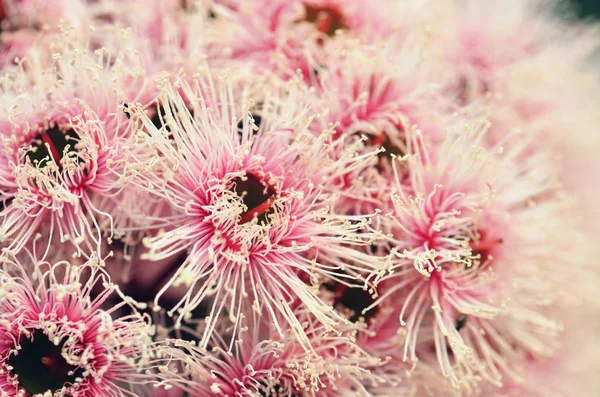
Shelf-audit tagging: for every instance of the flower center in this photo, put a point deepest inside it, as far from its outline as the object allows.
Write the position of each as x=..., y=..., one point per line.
x=40, y=365
x=52, y=144
x=257, y=196
x=391, y=149
x=483, y=248
x=254, y=122
x=327, y=19
x=353, y=299
x=383, y=140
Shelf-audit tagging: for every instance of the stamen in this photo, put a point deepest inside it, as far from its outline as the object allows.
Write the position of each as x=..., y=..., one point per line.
x=157, y=117
x=254, y=122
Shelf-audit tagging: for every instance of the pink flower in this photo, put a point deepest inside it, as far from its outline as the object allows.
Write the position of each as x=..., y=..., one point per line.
x=371, y=90
x=471, y=270
x=325, y=17
x=287, y=36
x=62, y=127
x=253, y=208
x=377, y=21
x=377, y=93
x=264, y=362
x=56, y=339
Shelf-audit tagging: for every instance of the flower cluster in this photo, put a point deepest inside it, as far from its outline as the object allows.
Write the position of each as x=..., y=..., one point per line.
x=297, y=198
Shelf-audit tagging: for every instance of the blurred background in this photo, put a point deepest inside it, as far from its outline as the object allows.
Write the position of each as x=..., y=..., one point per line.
x=587, y=8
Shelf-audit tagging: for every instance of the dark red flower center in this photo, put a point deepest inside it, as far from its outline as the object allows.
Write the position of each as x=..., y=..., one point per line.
x=384, y=141
x=257, y=196
x=40, y=365
x=51, y=144
x=482, y=248
x=327, y=19
x=390, y=149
